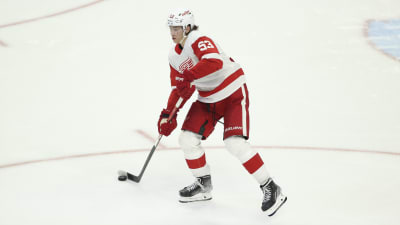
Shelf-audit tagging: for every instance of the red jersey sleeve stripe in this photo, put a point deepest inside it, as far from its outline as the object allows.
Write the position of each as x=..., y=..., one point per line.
x=206, y=67
x=204, y=45
x=225, y=83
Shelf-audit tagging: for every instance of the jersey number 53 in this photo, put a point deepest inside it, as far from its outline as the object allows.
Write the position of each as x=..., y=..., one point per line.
x=204, y=45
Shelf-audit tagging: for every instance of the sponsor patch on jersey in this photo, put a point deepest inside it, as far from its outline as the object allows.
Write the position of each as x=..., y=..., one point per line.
x=384, y=35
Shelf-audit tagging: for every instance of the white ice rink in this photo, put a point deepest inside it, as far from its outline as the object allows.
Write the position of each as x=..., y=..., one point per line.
x=82, y=83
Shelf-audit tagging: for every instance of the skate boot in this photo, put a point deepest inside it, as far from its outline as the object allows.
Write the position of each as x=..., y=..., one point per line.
x=273, y=197
x=200, y=190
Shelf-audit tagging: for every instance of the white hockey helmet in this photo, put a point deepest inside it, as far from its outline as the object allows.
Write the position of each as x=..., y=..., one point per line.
x=181, y=17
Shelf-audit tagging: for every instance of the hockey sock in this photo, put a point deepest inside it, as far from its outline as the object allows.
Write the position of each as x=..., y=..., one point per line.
x=249, y=158
x=194, y=153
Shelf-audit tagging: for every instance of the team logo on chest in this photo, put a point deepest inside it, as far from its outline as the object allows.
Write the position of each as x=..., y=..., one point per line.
x=186, y=65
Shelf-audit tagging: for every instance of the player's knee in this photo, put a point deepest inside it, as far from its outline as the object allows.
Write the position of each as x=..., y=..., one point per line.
x=190, y=144
x=239, y=147
x=189, y=140
x=235, y=144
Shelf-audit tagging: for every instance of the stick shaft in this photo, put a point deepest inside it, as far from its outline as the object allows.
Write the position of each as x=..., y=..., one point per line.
x=149, y=156
x=138, y=178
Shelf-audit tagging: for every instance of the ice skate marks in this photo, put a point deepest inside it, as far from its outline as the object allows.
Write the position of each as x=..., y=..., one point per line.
x=384, y=35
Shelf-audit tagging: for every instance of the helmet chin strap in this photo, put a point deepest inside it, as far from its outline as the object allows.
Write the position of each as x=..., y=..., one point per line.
x=182, y=42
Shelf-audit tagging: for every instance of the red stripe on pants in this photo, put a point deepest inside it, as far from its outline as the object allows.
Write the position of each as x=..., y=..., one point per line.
x=253, y=164
x=196, y=163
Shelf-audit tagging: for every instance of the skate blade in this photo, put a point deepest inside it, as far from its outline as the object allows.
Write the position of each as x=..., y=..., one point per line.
x=196, y=198
x=279, y=202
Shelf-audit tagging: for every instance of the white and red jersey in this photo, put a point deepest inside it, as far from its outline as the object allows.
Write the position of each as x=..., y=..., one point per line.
x=217, y=76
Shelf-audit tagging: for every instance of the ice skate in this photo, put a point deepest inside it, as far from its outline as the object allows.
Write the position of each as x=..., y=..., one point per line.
x=200, y=190
x=273, y=197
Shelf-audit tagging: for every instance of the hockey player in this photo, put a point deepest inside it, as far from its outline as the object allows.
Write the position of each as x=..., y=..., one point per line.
x=198, y=63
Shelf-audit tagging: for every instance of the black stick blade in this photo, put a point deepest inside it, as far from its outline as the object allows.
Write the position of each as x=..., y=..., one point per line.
x=130, y=176
x=133, y=178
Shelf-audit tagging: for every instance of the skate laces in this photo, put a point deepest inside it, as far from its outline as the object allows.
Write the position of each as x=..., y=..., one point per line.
x=194, y=186
x=267, y=190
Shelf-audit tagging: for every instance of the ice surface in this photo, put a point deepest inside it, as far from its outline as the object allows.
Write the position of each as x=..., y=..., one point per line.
x=81, y=92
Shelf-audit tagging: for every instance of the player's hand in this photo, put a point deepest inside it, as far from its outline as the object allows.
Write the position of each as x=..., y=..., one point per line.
x=184, y=86
x=164, y=127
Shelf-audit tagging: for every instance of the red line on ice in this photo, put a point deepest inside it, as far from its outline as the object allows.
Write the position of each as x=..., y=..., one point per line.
x=149, y=137
x=301, y=148
x=3, y=44
x=50, y=15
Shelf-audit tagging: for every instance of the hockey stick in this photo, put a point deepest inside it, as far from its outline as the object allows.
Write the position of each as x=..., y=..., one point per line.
x=123, y=175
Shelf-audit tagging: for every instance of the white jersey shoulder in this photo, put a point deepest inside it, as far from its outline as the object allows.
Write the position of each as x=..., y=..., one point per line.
x=186, y=59
x=192, y=38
